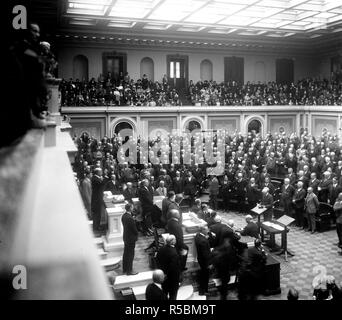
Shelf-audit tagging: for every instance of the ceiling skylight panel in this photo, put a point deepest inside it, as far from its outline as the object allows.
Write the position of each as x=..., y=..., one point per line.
x=132, y=8
x=175, y=10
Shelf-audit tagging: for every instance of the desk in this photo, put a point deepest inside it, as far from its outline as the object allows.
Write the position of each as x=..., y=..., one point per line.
x=273, y=231
x=258, y=211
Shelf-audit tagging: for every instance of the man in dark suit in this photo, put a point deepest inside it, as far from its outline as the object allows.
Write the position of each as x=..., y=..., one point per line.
x=130, y=237
x=253, y=193
x=251, y=229
x=203, y=258
x=299, y=202
x=324, y=186
x=171, y=197
x=239, y=187
x=292, y=176
x=251, y=272
x=168, y=260
x=174, y=227
x=178, y=183
x=287, y=192
x=112, y=185
x=146, y=201
x=97, y=198
x=268, y=184
x=314, y=183
x=129, y=193
x=303, y=178
x=190, y=188
x=220, y=231
x=255, y=174
x=267, y=202
x=154, y=290
x=334, y=191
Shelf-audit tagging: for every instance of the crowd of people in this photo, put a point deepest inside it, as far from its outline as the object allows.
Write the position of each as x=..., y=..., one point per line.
x=118, y=91
x=123, y=91
x=311, y=169
x=304, y=92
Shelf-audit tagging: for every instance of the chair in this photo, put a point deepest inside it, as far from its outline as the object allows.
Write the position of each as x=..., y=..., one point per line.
x=324, y=216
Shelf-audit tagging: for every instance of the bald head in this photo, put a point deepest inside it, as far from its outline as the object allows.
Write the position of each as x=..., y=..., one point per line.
x=174, y=213
x=171, y=240
x=158, y=276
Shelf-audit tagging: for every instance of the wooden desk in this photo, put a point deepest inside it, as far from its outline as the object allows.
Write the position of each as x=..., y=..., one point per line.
x=258, y=211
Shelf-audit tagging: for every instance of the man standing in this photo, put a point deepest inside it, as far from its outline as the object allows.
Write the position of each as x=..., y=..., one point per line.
x=130, y=237
x=251, y=272
x=203, y=258
x=323, y=188
x=240, y=186
x=338, y=214
x=86, y=192
x=299, y=202
x=168, y=260
x=287, y=192
x=175, y=228
x=146, y=200
x=314, y=183
x=97, y=198
x=334, y=191
x=311, y=208
x=267, y=202
x=190, y=188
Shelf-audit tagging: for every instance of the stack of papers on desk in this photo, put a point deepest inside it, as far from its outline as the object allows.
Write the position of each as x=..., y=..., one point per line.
x=273, y=225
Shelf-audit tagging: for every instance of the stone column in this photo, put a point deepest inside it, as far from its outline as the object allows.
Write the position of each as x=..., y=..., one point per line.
x=54, y=99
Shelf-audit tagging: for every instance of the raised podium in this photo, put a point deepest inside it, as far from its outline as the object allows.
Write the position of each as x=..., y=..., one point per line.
x=259, y=210
x=115, y=208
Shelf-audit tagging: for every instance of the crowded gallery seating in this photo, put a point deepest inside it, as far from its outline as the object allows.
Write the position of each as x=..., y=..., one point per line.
x=173, y=150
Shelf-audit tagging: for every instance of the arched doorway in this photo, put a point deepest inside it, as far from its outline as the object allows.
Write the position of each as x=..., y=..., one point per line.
x=193, y=125
x=206, y=70
x=80, y=67
x=254, y=125
x=125, y=129
x=147, y=67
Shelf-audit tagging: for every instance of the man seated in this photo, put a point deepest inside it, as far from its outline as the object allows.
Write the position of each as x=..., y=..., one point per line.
x=251, y=229
x=154, y=290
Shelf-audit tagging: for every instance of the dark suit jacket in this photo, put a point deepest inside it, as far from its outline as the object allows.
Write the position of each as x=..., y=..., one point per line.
x=190, y=187
x=251, y=229
x=270, y=186
x=174, y=227
x=203, y=250
x=334, y=192
x=130, y=231
x=129, y=194
x=299, y=198
x=168, y=260
x=153, y=292
x=314, y=185
x=178, y=185
x=146, y=200
x=267, y=201
x=287, y=195
x=253, y=193
x=97, y=192
x=293, y=178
